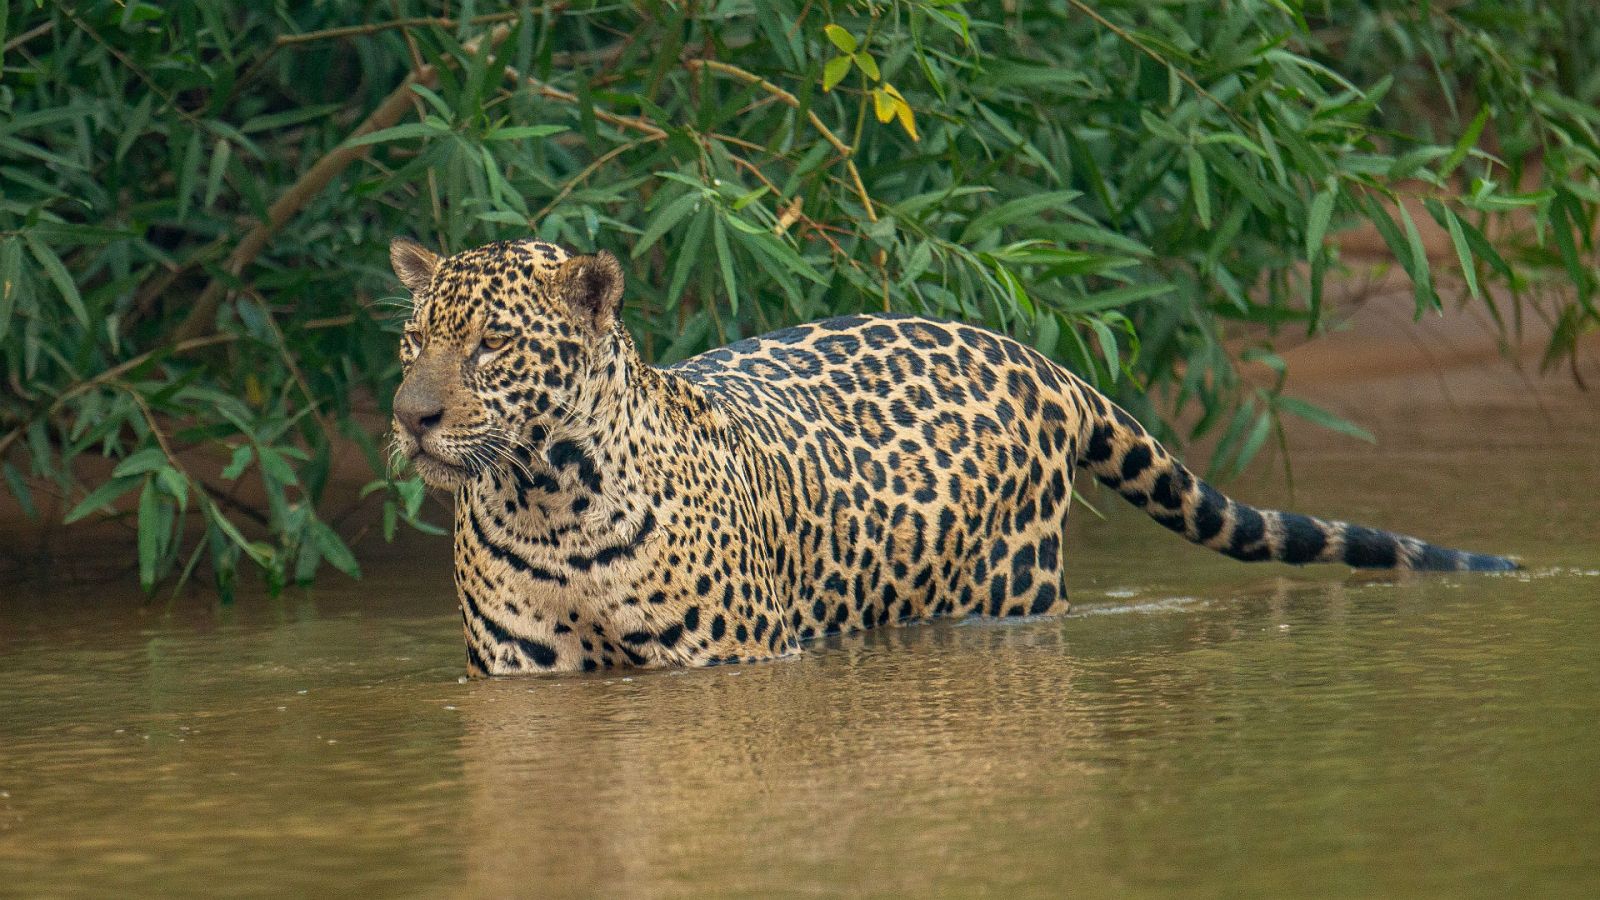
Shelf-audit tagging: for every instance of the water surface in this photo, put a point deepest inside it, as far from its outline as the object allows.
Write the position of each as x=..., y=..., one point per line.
x=1197, y=727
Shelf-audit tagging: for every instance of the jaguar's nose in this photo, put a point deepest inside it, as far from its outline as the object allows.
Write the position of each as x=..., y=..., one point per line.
x=417, y=411
x=419, y=420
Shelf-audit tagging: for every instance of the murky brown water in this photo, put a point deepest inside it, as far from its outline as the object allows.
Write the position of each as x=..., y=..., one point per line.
x=1198, y=728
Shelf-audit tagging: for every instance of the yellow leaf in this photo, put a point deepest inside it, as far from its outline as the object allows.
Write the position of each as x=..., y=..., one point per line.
x=883, y=105
x=901, y=110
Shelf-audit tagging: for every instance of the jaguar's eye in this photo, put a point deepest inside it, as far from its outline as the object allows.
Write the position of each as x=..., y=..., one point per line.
x=414, y=339
x=493, y=342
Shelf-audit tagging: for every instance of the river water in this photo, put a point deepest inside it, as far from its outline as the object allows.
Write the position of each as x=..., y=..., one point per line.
x=1197, y=727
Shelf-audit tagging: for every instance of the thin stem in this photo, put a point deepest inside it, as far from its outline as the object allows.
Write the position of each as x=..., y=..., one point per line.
x=122, y=58
x=816, y=122
x=27, y=36
x=588, y=170
x=289, y=363
x=550, y=92
x=288, y=40
x=1134, y=42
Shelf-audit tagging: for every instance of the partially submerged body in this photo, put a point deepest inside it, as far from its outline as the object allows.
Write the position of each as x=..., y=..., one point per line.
x=861, y=471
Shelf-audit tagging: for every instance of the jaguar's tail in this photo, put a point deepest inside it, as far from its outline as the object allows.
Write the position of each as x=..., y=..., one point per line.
x=1124, y=457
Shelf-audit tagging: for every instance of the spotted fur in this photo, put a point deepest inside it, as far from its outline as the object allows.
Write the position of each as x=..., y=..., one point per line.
x=846, y=474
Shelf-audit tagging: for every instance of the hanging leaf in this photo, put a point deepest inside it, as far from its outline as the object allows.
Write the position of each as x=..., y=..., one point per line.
x=883, y=104
x=1317, y=222
x=902, y=111
x=58, y=276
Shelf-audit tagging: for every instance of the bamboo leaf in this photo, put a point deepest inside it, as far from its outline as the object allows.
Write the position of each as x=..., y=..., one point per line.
x=174, y=485
x=262, y=555
x=902, y=112
x=242, y=456
x=101, y=497
x=58, y=276
x=1458, y=239
x=408, y=131
x=275, y=467
x=434, y=100
x=19, y=489
x=10, y=281
x=523, y=132
x=1421, y=274
x=1317, y=222
x=1108, y=347
x=221, y=151
x=334, y=550
x=1025, y=207
x=719, y=236
x=1116, y=298
x=150, y=533
x=1484, y=250
x=688, y=254
x=1319, y=416
x=1254, y=442
x=412, y=491
x=665, y=219
x=1199, y=186
x=1466, y=142
x=147, y=460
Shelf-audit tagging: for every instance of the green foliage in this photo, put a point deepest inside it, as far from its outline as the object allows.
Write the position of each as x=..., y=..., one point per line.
x=1144, y=190
x=1512, y=88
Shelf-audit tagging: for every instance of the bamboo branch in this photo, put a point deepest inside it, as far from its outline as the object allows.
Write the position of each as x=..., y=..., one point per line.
x=27, y=36
x=550, y=92
x=286, y=40
x=371, y=28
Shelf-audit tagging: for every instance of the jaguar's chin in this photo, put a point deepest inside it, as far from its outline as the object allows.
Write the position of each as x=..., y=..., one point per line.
x=437, y=472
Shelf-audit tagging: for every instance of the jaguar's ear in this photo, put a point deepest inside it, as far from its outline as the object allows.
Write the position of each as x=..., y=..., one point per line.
x=591, y=286
x=413, y=262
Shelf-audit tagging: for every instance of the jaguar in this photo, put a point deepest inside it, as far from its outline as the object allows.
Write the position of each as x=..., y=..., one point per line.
x=858, y=472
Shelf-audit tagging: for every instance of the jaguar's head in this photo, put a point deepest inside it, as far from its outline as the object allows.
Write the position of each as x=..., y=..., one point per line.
x=497, y=350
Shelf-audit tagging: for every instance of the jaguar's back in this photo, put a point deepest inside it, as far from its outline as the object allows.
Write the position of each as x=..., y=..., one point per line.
x=919, y=468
